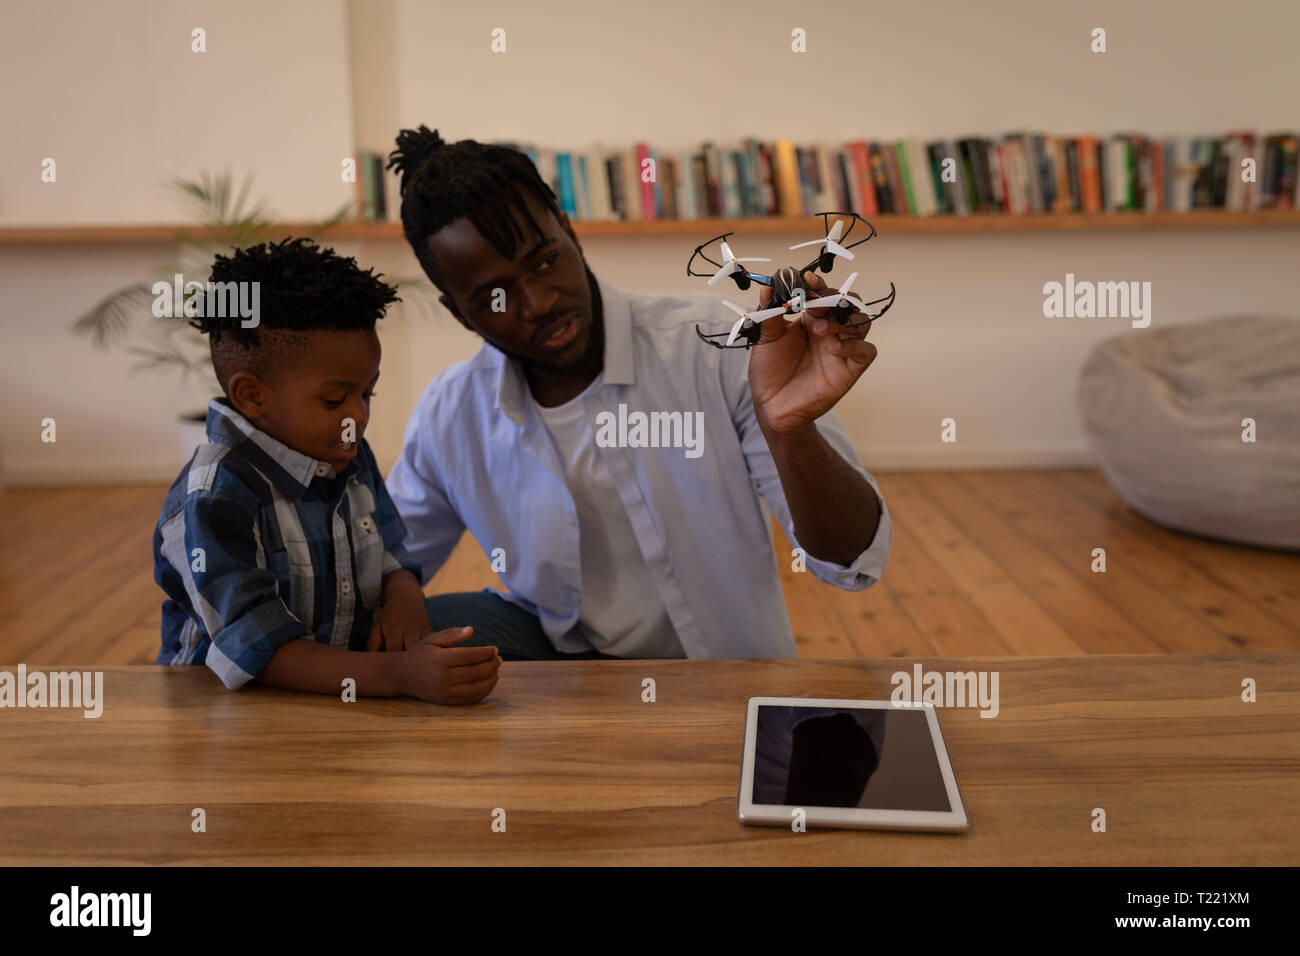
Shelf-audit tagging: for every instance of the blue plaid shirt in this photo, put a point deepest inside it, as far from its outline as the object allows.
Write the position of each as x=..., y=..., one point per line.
x=259, y=545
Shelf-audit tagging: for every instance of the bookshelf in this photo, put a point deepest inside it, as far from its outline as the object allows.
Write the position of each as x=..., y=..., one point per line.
x=703, y=228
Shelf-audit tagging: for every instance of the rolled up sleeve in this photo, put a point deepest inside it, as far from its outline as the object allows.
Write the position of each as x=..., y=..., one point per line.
x=237, y=601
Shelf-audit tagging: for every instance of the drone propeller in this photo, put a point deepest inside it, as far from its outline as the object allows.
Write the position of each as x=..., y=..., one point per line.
x=831, y=241
x=731, y=264
x=835, y=299
x=752, y=318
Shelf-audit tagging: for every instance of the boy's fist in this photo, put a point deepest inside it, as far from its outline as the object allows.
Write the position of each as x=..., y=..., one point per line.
x=436, y=671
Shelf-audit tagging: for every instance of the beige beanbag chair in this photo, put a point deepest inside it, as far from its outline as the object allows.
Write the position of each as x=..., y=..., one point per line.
x=1163, y=409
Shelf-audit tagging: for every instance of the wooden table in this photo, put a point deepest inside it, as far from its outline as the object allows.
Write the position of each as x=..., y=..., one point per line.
x=589, y=774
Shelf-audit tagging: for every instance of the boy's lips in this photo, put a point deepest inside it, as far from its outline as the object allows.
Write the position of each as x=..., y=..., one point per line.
x=346, y=449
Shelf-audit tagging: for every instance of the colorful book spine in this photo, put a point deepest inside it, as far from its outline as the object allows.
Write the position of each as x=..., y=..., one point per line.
x=646, y=188
x=565, y=176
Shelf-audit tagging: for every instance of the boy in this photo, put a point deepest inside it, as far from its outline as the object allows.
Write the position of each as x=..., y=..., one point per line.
x=278, y=546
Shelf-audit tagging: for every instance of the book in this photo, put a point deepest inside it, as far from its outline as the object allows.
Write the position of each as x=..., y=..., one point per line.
x=564, y=174
x=862, y=180
x=633, y=188
x=785, y=174
x=880, y=178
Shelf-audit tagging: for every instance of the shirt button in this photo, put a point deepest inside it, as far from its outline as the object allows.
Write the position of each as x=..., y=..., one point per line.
x=571, y=521
x=366, y=524
x=322, y=471
x=346, y=587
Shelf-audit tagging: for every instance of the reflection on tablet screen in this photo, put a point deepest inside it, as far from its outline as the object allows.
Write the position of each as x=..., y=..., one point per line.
x=832, y=757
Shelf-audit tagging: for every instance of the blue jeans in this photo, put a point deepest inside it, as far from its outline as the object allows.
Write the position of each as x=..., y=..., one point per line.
x=517, y=634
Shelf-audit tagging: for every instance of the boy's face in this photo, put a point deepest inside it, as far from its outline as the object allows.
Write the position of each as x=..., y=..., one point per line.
x=546, y=315
x=327, y=378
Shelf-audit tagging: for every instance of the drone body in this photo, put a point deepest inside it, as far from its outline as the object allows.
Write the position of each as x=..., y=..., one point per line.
x=791, y=295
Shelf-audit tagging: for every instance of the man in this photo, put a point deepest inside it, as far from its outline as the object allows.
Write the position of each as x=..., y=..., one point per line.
x=615, y=549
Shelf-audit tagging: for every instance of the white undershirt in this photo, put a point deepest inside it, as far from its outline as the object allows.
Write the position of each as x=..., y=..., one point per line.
x=622, y=613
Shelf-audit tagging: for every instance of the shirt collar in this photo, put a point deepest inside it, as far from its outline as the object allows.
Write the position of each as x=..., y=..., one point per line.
x=290, y=471
x=619, y=366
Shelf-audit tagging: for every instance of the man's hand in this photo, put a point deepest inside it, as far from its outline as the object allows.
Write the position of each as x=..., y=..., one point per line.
x=435, y=671
x=401, y=621
x=804, y=367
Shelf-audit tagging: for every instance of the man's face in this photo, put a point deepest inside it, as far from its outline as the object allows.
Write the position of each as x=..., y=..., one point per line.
x=306, y=402
x=545, y=316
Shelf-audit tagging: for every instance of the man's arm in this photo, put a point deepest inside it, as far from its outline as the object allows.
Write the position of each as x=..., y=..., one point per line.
x=796, y=376
x=432, y=525
x=834, y=509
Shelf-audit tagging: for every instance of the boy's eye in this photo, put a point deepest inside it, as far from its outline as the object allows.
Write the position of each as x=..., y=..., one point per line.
x=330, y=403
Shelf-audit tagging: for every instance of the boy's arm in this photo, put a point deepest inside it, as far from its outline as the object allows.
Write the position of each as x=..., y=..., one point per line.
x=214, y=547
x=317, y=668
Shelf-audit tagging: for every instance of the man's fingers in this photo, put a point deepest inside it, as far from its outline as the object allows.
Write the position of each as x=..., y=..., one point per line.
x=375, y=642
x=855, y=350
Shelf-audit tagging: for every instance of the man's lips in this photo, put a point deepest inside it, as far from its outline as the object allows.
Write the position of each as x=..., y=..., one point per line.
x=554, y=327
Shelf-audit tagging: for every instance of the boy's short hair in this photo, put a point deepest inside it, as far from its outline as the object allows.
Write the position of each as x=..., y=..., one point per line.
x=302, y=288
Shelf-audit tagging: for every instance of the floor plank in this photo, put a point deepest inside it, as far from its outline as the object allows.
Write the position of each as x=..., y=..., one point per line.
x=983, y=564
x=1092, y=621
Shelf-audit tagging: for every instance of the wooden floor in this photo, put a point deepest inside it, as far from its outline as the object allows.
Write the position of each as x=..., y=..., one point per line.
x=983, y=564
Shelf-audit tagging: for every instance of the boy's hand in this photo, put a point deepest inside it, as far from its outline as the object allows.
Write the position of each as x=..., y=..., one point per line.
x=396, y=628
x=435, y=671
x=401, y=621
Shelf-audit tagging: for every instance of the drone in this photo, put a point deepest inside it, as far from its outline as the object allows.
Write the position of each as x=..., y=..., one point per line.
x=789, y=290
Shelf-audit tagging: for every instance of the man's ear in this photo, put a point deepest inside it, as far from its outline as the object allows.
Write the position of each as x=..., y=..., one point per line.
x=248, y=394
x=450, y=305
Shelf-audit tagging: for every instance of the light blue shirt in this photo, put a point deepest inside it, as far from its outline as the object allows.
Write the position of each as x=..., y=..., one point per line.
x=478, y=456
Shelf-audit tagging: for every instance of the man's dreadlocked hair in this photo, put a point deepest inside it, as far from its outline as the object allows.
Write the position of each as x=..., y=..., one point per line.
x=302, y=288
x=443, y=182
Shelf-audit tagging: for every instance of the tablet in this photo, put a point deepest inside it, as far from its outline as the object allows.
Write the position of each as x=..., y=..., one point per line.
x=874, y=764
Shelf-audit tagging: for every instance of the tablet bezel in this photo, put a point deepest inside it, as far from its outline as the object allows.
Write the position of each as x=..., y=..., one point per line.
x=764, y=814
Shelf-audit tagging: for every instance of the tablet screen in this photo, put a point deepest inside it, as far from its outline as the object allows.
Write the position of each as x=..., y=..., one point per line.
x=881, y=759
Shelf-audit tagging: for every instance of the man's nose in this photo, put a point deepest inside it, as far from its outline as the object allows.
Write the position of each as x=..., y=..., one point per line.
x=536, y=301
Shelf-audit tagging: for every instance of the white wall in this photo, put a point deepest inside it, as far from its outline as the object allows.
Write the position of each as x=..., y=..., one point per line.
x=966, y=338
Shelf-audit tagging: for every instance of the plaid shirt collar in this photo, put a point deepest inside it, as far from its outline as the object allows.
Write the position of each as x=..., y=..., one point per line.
x=290, y=471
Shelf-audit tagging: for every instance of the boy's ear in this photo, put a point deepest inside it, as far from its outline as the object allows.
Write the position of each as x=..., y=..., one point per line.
x=248, y=394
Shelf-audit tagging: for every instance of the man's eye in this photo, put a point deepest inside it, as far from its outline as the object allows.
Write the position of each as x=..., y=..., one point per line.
x=550, y=260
